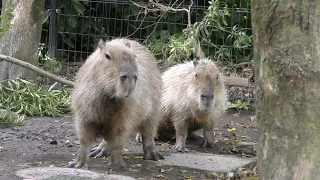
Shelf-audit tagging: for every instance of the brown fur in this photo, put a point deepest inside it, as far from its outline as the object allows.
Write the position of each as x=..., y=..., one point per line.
x=183, y=86
x=102, y=105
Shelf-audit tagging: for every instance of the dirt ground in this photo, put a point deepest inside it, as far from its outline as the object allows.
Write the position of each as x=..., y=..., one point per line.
x=48, y=141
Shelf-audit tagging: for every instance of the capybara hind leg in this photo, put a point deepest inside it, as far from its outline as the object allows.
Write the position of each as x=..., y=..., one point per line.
x=86, y=136
x=115, y=146
x=194, y=137
x=100, y=151
x=208, y=136
x=148, y=132
x=181, y=137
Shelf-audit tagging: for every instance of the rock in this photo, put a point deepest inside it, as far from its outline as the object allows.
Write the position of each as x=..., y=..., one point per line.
x=57, y=173
x=183, y=171
x=207, y=162
x=211, y=175
x=21, y=135
x=53, y=142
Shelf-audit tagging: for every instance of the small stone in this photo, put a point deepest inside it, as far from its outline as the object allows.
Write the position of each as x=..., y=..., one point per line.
x=53, y=142
x=230, y=174
x=133, y=170
x=21, y=135
x=137, y=165
x=211, y=175
x=183, y=171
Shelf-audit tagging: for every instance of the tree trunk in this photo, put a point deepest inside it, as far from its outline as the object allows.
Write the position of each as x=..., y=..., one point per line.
x=23, y=38
x=287, y=52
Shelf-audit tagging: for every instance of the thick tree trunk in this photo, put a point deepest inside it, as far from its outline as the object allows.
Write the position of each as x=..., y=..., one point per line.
x=23, y=38
x=287, y=62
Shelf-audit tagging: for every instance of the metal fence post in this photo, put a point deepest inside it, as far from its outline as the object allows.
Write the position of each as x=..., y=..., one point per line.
x=53, y=30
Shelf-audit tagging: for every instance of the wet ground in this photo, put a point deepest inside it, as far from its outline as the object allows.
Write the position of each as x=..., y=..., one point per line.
x=52, y=142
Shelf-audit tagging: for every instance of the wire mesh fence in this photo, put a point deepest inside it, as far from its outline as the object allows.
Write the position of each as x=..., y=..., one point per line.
x=73, y=28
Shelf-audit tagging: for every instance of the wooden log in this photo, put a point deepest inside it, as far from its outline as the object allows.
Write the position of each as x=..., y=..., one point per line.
x=37, y=70
x=229, y=81
x=236, y=81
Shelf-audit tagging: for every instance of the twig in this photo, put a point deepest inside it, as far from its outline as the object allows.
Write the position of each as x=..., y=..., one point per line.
x=37, y=70
x=242, y=64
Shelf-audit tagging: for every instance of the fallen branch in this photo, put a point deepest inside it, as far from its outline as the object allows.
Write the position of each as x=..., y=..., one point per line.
x=242, y=64
x=37, y=70
x=229, y=81
x=236, y=81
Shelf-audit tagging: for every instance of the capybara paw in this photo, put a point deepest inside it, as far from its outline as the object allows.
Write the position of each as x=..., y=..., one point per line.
x=195, y=137
x=77, y=165
x=153, y=154
x=116, y=166
x=205, y=143
x=180, y=148
x=98, y=152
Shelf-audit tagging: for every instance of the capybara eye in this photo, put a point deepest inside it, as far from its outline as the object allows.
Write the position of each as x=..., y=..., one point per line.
x=135, y=78
x=196, y=75
x=107, y=56
x=202, y=96
x=123, y=78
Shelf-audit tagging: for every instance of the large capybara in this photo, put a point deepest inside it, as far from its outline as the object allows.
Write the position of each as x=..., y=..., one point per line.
x=118, y=91
x=193, y=96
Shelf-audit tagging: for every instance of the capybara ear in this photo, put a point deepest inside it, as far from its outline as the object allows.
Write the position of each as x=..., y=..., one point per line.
x=195, y=62
x=101, y=44
x=218, y=63
x=127, y=44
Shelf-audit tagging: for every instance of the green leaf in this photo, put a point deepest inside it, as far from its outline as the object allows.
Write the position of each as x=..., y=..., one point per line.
x=72, y=21
x=45, y=16
x=68, y=42
x=78, y=6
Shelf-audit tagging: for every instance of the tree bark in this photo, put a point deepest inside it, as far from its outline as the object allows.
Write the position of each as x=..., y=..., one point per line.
x=287, y=68
x=23, y=38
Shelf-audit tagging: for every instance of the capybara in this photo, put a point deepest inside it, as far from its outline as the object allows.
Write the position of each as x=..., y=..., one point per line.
x=117, y=91
x=194, y=95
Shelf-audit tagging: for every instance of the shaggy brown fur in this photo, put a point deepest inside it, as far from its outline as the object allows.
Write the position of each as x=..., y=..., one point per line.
x=118, y=91
x=194, y=95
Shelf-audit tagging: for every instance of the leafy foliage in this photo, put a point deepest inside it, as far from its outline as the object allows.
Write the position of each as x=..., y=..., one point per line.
x=224, y=29
x=8, y=117
x=46, y=61
x=6, y=17
x=233, y=46
x=239, y=105
x=30, y=99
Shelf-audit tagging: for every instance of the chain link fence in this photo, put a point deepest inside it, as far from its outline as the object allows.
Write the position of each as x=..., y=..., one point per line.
x=72, y=28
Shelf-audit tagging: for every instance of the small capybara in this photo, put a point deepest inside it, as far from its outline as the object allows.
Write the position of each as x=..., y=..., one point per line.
x=117, y=91
x=194, y=95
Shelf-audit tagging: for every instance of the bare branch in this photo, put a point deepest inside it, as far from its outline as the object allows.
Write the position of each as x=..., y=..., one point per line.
x=36, y=69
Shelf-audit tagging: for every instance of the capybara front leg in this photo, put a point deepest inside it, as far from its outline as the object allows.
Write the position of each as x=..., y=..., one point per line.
x=208, y=136
x=181, y=137
x=86, y=135
x=148, y=132
x=115, y=145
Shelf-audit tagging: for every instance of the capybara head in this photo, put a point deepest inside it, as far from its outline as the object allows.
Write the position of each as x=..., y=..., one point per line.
x=119, y=68
x=207, y=83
